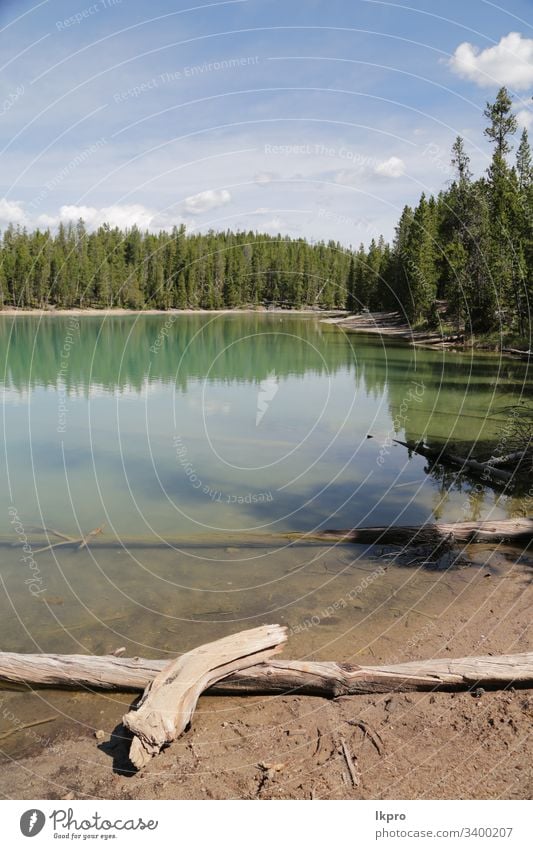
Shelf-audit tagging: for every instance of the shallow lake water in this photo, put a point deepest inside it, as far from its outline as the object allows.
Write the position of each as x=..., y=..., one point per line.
x=197, y=442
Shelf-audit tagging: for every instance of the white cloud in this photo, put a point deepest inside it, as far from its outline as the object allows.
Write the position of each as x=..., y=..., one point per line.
x=117, y=215
x=274, y=223
x=264, y=177
x=347, y=178
x=392, y=167
x=204, y=201
x=123, y=216
x=524, y=118
x=11, y=212
x=510, y=62
x=47, y=221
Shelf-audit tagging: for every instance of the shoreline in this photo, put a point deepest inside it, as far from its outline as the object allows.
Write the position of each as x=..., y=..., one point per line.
x=390, y=325
x=118, y=311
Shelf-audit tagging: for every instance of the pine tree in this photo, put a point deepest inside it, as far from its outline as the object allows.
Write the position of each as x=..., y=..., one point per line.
x=455, y=225
x=231, y=284
x=524, y=162
x=417, y=259
x=480, y=290
x=256, y=275
x=502, y=188
x=351, y=296
x=3, y=286
x=502, y=122
x=372, y=275
x=461, y=161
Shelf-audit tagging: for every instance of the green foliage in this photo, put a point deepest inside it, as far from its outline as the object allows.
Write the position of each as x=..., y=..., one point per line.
x=112, y=268
x=502, y=122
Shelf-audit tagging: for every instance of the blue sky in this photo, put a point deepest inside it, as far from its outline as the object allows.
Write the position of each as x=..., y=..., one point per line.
x=306, y=117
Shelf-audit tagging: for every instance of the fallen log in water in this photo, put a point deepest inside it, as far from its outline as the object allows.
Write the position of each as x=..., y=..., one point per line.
x=511, y=459
x=486, y=471
x=319, y=678
x=487, y=531
x=524, y=355
x=431, y=533
x=169, y=700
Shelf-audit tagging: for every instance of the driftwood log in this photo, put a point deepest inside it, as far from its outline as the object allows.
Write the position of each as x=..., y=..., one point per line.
x=431, y=533
x=318, y=678
x=169, y=700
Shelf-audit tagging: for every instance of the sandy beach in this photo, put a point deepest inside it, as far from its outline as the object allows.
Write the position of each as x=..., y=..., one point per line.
x=417, y=745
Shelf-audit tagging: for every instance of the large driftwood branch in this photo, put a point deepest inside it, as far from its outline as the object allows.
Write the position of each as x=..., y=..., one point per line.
x=169, y=700
x=318, y=678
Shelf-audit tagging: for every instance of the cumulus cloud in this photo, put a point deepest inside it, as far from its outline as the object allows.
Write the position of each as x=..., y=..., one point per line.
x=117, y=215
x=392, y=167
x=12, y=212
x=510, y=62
x=524, y=118
x=204, y=201
x=123, y=216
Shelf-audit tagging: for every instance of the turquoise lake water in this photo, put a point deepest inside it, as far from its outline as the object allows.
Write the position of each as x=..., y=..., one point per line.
x=198, y=425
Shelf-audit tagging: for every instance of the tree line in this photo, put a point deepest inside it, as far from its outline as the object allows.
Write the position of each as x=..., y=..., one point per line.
x=168, y=270
x=469, y=248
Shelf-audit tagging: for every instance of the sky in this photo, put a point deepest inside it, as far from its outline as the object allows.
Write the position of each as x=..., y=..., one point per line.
x=311, y=118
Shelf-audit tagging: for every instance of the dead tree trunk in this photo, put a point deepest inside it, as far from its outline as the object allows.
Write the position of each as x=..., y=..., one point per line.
x=316, y=678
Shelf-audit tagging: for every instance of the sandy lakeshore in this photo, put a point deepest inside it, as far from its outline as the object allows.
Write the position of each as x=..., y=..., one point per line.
x=418, y=745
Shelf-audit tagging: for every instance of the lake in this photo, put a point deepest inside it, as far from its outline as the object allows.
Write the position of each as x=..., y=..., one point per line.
x=235, y=424
x=196, y=442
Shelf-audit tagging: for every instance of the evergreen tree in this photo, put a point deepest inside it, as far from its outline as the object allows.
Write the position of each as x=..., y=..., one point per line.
x=461, y=162
x=502, y=122
x=502, y=192
x=351, y=296
x=524, y=162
